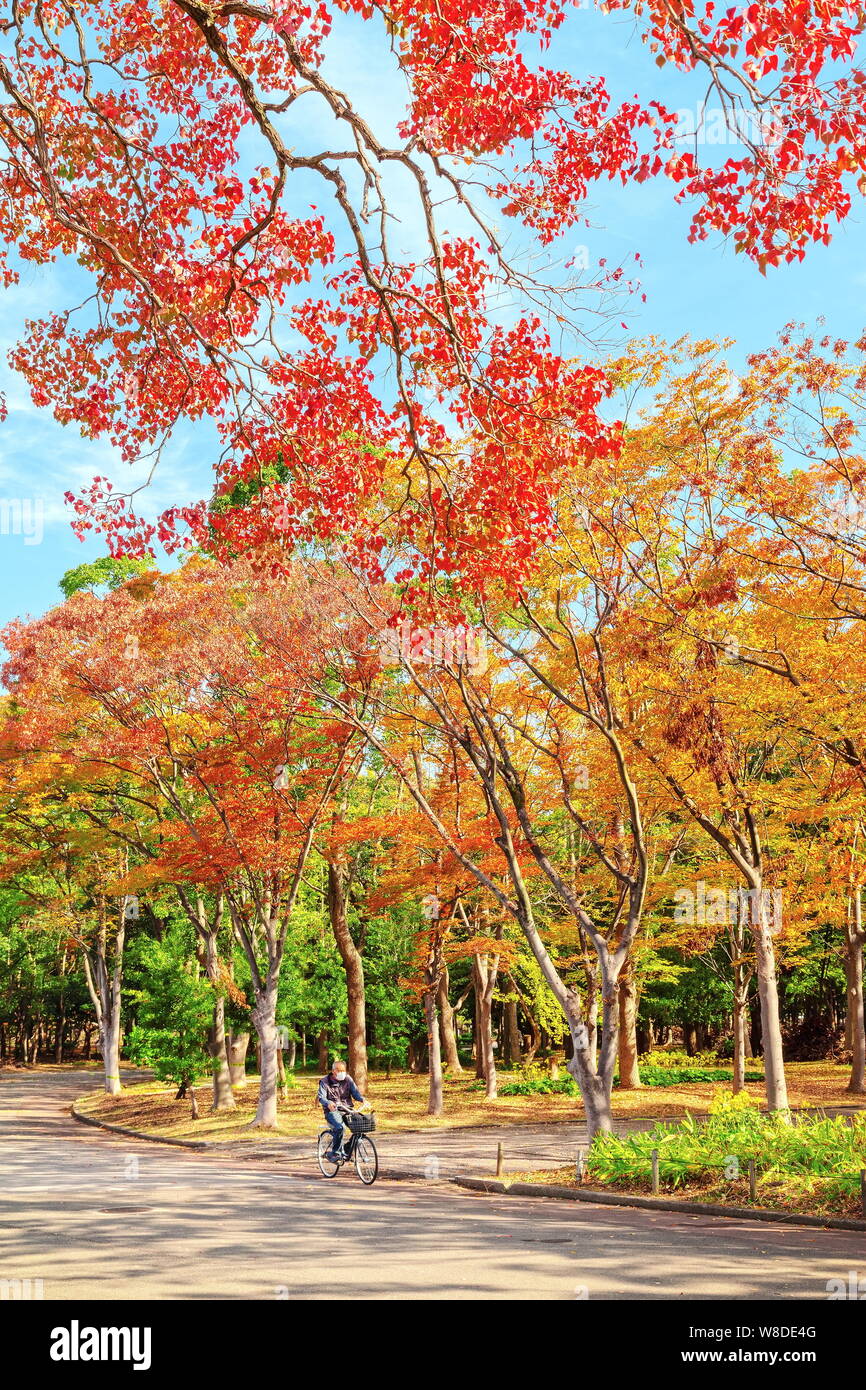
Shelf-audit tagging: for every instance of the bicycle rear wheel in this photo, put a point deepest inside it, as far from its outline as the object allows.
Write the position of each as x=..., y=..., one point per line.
x=328, y=1167
x=366, y=1159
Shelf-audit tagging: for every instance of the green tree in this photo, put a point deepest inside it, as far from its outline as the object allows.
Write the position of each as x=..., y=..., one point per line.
x=103, y=575
x=174, y=1008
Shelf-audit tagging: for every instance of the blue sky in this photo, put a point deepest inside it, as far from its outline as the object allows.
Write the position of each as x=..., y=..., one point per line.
x=705, y=290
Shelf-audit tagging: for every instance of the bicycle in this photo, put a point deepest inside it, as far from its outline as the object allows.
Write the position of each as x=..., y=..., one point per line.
x=360, y=1150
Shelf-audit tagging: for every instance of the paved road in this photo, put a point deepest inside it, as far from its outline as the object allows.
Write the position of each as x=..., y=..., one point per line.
x=96, y=1216
x=460, y=1152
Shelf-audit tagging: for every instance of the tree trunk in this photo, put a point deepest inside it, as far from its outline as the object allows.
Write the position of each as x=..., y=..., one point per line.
x=110, y=1037
x=477, y=1046
x=322, y=1051
x=264, y=1017
x=103, y=973
x=353, y=967
x=485, y=970
x=511, y=1033
x=236, y=1052
x=748, y=1053
x=742, y=974
x=590, y=970
x=855, y=1012
x=281, y=1073
x=446, y=1018
x=207, y=953
x=595, y=1082
x=741, y=1030
x=771, y=1028
x=629, y=1071
x=533, y=1040
x=223, y=1096
x=61, y=1011
x=415, y=1056
x=436, y=1104
x=849, y=1016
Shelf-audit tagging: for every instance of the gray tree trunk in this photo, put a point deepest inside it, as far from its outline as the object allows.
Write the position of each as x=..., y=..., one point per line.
x=223, y=1096
x=264, y=1017
x=768, y=993
x=104, y=972
x=110, y=1035
x=485, y=970
x=237, y=1045
x=435, y=1104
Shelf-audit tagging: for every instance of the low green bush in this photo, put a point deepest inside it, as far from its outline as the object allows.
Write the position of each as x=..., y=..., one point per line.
x=680, y=1076
x=676, y=1058
x=797, y=1154
x=533, y=1081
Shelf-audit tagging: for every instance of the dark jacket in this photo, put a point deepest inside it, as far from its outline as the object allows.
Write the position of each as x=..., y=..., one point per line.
x=333, y=1092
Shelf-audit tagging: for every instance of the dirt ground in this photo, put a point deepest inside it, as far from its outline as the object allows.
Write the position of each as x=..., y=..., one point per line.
x=400, y=1103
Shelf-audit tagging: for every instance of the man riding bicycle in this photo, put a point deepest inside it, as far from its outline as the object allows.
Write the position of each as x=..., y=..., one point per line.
x=337, y=1092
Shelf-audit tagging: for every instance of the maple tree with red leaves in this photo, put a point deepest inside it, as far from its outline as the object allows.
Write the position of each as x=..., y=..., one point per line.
x=677, y=692
x=172, y=683
x=167, y=147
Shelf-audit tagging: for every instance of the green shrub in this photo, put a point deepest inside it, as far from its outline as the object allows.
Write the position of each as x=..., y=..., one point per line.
x=174, y=1013
x=735, y=1132
x=535, y=1081
x=679, y=1076
x=676, y=1058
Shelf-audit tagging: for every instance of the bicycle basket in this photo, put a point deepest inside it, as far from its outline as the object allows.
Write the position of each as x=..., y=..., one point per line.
x=360, y=1124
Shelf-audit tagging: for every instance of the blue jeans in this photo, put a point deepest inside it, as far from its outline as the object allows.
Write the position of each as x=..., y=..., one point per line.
x=335, y=1124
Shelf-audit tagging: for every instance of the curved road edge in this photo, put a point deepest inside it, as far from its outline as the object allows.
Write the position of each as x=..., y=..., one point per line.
x=522, y=1189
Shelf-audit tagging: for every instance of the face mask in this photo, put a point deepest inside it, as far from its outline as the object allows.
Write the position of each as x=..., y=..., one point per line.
x=339, y=1076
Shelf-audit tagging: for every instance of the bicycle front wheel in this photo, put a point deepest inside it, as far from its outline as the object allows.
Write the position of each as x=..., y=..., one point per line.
x=366, y=1159
x=328, y=1167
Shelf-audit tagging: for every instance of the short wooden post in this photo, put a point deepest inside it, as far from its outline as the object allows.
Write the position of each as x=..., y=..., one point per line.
x=655, y=1163
x=498, y=1160
x=579, y=1166
x=753, y=1180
